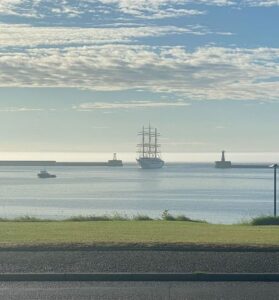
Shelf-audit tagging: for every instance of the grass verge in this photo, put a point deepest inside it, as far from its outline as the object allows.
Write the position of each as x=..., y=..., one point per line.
x=148, y=233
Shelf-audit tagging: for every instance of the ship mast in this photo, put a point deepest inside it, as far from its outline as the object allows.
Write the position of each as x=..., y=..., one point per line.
x=149, y=147
x=149, y=141
x=142, y=146
x=156, y=142
x=143, y=141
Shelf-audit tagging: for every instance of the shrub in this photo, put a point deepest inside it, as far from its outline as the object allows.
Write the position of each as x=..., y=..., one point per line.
x=142, y=218
x=265, y=220
x=89, y=218
x=29, y=219
x=166, y=216
x=183, y=218
x=118, y=217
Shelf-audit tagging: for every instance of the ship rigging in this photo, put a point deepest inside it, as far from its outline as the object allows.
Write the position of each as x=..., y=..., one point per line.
x=149, y=149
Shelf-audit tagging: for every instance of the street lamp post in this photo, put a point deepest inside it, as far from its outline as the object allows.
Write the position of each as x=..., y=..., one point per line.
x=275, y=188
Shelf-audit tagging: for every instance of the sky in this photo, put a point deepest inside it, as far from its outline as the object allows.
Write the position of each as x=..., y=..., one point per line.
x=85, y=76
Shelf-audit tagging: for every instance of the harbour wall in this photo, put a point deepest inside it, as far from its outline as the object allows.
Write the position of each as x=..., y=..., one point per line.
x=251, y=166
x=41, y=163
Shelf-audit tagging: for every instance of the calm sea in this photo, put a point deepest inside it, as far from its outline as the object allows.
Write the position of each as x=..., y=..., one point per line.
x=197, y=190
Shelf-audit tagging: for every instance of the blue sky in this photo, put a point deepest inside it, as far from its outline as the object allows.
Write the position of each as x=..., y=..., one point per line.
x=86, y=75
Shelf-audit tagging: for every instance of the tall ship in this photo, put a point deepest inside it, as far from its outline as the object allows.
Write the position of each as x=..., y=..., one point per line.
x=149, y=149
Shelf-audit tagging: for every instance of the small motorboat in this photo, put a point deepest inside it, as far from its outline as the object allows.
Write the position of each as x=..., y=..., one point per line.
x=44, y=174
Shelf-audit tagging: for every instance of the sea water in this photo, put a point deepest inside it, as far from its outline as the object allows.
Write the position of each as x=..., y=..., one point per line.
x=196, y=190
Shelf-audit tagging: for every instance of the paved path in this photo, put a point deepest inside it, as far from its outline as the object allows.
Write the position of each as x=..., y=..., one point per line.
x=137, y=261
x=140, y=290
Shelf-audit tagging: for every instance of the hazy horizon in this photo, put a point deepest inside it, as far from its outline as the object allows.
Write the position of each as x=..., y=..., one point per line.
x=129, y=157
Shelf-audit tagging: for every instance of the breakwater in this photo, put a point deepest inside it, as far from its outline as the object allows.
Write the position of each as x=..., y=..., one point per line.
x=52, y=163
x=249, y=166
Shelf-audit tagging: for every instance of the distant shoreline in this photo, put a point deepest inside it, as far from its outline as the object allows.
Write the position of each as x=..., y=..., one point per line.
x=42, y=163
x=130, y=157
x=46, y=163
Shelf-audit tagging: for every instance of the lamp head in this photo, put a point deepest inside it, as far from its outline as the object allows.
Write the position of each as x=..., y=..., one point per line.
x=273, y=166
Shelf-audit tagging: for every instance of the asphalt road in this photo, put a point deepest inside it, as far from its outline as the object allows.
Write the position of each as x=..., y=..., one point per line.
x=137, y=261
x=140, y=290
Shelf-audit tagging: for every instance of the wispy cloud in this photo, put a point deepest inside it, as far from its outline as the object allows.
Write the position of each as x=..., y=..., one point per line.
x=205, y=73
x=90, y=106
x=71, y=8
x=162, y=8
x=148, y=9
x=262, y=3
x=23, y=8
x=170, y=13
x=28, y=36
x=19, y=109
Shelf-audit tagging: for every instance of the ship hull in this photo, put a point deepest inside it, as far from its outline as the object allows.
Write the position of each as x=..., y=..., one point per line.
x=46, y=176
x=150, y=163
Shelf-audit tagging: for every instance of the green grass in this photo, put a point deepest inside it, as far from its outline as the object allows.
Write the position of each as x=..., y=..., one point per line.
x=134, y=232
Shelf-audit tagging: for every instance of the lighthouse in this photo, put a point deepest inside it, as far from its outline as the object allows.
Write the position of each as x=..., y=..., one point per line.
x=223, y=163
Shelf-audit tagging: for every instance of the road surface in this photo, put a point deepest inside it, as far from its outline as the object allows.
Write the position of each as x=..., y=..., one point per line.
x=137, y=261
x=140, y=290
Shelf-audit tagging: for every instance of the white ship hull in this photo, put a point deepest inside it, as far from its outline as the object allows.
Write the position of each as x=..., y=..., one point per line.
x=150, y=163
